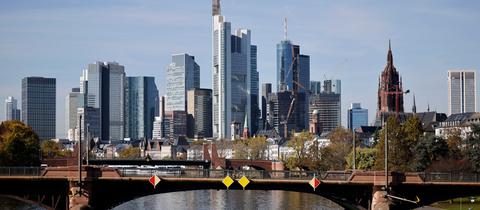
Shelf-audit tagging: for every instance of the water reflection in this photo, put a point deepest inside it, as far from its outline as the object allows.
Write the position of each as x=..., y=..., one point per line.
x=10, y=203
x=232, y=199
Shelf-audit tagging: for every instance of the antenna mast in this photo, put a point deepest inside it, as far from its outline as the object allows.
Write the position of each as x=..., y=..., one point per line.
x=285, y=28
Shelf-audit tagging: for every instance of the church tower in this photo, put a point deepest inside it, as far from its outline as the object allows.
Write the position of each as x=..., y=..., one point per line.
x=390, y=90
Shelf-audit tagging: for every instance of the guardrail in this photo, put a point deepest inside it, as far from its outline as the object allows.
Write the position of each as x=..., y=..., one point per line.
x=220, y=173
x=20, y=171
x=450, y=177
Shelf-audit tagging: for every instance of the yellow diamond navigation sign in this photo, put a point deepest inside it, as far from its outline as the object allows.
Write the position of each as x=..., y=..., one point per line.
x=243, y=181
x=227, y=181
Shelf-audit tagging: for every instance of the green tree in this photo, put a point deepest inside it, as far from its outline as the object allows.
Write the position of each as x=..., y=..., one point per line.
x=429, y=149
x=473, y=147
x=454, y=142
x=19, y=145
x=241, y=149
x=299, y=145
x=394, y=135
x=365, y=159
x=257, y=147
x=130, y=153
x=51, y=149
x=341, y=144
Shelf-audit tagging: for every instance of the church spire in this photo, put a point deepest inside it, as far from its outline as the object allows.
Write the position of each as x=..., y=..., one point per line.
x=389, y=56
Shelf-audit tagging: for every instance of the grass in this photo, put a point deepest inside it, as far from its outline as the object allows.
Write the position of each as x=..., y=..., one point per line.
x=458, y=204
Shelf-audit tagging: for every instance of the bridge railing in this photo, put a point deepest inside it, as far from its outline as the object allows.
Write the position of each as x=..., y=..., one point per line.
x=20, y=171
x=450, y=177
x=221, y=173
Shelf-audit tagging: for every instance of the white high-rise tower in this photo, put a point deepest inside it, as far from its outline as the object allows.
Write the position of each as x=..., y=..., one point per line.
x=462, y=91
x=232, y=76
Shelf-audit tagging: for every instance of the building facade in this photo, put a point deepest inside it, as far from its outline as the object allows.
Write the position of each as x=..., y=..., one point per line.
x=183, y=74
x=39, y=105
x=462, y=91
x=11, y=110
x=175, y=124
x=266, y=90
x=199, y=113
x=73, y=101
x=141, y=107
x=315, y=87
x=357, y=116
x=328, y=107
x=103, y=85
x=231, y=74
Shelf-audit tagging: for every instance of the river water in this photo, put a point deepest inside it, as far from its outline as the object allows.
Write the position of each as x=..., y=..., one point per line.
x=212, y=199
x=231, y=199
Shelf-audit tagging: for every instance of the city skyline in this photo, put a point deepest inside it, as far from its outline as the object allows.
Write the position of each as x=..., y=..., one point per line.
x=345, y=41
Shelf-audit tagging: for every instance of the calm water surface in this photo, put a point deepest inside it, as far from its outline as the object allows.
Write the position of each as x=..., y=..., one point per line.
x=211, y=199
x=232, y=199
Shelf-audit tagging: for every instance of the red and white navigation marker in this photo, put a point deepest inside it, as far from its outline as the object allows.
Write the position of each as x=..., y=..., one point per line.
x=314, y=182
x=154, y=180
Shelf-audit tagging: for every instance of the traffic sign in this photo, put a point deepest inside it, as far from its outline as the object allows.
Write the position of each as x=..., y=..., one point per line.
x=314, y=182
x=243, y=181
x=227, y=181
x=154, y=180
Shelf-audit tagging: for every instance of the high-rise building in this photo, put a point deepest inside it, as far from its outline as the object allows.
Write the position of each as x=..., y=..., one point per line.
x=293, y=68
x=103, y=84
x=315, y=87
x=39, y=105
x=199, y=113
x=157, y=128
x=175, y=124
x=462, y=91
x=11, y=110
x=357, y=116
x=293, y=74
x=390, y=90
x=332, y=86
x=231, y=74
x=266, y=90
x=183, y=74
x=73, y=101
x=281, y=108
x=88, y=124
x=254, y=91
x=328, y=107
x=141, y=107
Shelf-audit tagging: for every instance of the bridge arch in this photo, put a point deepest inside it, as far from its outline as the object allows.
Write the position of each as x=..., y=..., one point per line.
x=110, y=193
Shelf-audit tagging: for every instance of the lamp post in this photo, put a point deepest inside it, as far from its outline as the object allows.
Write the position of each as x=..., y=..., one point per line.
x=80, y=157
x=88, y=141
x=354, y=151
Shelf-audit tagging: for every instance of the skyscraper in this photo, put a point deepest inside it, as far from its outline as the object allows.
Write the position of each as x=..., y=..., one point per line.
x=462, y=91
x=254, y=91
x=357, y=116
x=332, y=86
x=390, y=90
x=103, y=85
x=11, y=111
x=183, y=74
x=141, y=107
x=39, y=105
x=231, y=75
x=266, y=90
x=328, y=107
x=73, y=101
x=199, y=113
x=315, y=87
x=293, y=74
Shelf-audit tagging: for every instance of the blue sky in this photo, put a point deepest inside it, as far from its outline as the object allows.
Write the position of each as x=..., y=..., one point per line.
x=346, y=40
